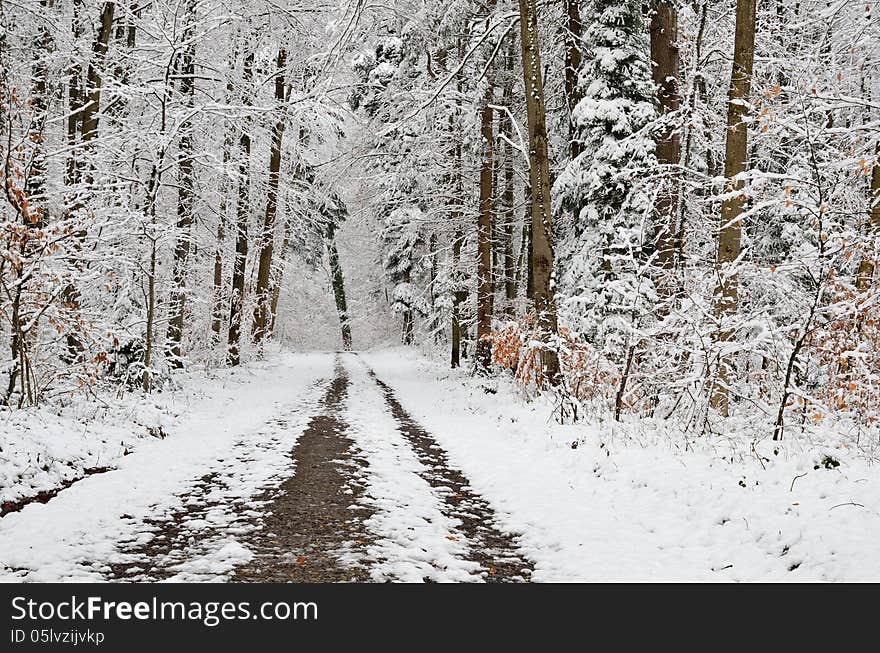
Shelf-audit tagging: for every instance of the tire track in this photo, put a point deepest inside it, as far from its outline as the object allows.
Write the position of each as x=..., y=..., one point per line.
x=314, y=530
x=495, y=551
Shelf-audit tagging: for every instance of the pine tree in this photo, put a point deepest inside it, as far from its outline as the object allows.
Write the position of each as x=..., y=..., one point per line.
x=603, y=206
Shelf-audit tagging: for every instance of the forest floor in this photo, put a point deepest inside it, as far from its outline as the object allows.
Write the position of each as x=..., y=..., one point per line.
x=385, y=466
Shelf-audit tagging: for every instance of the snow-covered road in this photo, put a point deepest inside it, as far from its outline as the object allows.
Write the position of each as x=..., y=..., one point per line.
x=385, y=466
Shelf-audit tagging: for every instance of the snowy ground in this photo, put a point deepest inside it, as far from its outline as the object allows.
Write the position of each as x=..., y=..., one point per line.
x=614, y=508
x=75, y=535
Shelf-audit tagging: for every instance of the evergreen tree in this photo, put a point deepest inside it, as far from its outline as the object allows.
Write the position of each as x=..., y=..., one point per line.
x=604, y=207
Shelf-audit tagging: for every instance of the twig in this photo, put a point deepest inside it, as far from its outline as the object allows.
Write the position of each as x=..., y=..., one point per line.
x=848, y=503
x=791, y=489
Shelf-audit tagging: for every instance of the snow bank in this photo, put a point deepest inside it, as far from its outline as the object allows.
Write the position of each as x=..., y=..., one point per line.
x=222, y=428
x=628, y=505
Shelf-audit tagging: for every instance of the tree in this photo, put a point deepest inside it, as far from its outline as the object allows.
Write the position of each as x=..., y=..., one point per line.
x=601, y=194
x=185, y=193
x=664, y=55
x=233, y=356
x=539, y=178
x=735, y=164
x=267, y=237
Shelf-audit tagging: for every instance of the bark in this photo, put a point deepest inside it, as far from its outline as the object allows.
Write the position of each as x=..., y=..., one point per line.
x=868, y=264
x=507, y=215
x=573, y=37
x=243, y=218
x=509, y=259
x=40, y=105
x=484, y=231
x=698, y=85
x=92, y=105
x=185, y=202
x=664, y=54
x=267, y=237
x=74, y=102
x=338, y=283
x=217, y=309
x=276, y=281
x=459, y=295
x=151, y=231
x=736, y=153
x=218, y=301
x=541, y=216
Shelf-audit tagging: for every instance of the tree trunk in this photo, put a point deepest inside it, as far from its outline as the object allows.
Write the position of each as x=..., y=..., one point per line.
x=507, y=214
x=541, y=216
x=338, y=283
x=509, y=219
x=267, y=237
x=92, y=105
x=74, y=102
x=459, y=295
x=735, y=162
x=243, y=218
x=279, y=276
x=185, y=201
x=408, y=327
x=218, y=307
x=664, y=54
x=572, y=68
x=484, y=231
x=86, y=104
x=869, y=261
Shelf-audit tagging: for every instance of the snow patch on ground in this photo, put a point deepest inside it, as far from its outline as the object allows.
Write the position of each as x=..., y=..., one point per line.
x=635, y=506
x=75, y=535
x=414, y=540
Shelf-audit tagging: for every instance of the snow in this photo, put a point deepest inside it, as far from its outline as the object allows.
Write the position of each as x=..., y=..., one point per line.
x=594, y=501
x=646, y=508
x=414, y=540
x=227, y=431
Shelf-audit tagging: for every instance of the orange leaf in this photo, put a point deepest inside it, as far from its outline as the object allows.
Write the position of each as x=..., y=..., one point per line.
x=300, y=560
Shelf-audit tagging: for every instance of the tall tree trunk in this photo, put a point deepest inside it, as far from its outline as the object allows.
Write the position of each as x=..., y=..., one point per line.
x=218, y=303
x=36, y=180
x=664, y=54
x=217, y=307
x=507, y=215
x=459, y=294
x=869, y=262
x=509, y=220
x=484, y=231
x=233, y=356
x=338, y=283
x=86, y=104
x=541, y=216
x=267, y=236
x=696, y=92
x=92, y=107
x=74, y=102
x=185, y=200
x=735, y=162
x=573, y=35
x=279, y=276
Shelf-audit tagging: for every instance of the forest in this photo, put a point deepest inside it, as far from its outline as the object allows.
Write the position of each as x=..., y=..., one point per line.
x=621, y=226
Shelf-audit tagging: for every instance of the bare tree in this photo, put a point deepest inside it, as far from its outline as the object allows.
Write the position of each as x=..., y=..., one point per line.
x=267, y=236
x=735, y=163
x=541, y=215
